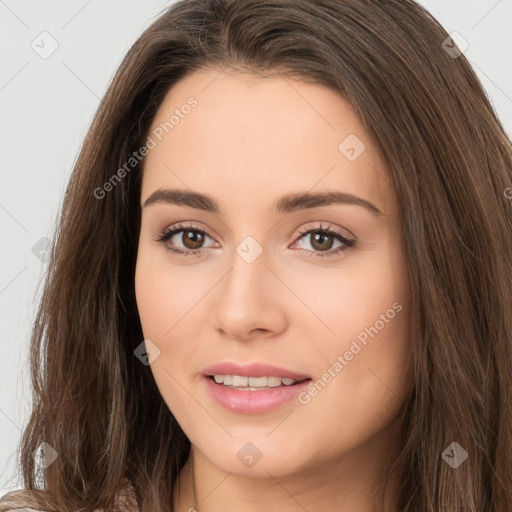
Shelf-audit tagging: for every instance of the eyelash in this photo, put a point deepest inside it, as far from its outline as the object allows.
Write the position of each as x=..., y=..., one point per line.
x=170, y=232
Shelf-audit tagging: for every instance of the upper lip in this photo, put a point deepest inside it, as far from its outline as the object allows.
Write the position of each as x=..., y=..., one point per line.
x=252, y=370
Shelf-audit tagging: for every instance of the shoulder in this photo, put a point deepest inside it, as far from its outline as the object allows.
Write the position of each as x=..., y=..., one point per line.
x=24, y=510
x=23, y=500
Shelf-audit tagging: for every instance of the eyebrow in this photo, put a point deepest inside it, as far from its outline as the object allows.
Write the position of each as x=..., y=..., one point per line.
x=286, y=204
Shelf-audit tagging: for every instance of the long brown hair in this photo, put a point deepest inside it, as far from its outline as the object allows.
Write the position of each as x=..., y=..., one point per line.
x=450, y=162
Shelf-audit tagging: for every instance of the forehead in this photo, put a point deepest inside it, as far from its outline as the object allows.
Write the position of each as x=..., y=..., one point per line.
x=263, y=137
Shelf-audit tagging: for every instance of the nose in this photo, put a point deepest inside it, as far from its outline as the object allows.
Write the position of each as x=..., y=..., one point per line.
x=249, y=302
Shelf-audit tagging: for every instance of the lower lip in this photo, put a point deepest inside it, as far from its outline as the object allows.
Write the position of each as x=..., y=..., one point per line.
x=253, y=402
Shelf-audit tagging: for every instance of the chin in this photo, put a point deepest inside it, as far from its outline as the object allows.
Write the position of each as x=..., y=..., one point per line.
x=258, y=456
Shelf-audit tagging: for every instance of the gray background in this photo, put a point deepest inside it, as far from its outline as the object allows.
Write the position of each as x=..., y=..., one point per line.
x=46, y=106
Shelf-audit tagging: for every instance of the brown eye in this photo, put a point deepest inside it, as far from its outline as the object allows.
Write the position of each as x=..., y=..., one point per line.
x=190, y=242
x=192, y=239
x=321, y=241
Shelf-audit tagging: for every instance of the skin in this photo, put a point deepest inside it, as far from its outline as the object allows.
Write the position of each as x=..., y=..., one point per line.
x=249, y=141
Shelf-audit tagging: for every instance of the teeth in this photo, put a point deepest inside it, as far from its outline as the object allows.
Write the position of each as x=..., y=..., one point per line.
x=253, y=382
x=258, y=382
x=240, y=381
x=273, y=382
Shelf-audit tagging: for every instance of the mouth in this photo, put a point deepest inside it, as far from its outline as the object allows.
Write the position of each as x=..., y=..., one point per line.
x=253, y=389
x=245, y=383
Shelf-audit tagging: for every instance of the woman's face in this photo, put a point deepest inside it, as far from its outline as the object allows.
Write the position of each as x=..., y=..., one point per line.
x=293, y=260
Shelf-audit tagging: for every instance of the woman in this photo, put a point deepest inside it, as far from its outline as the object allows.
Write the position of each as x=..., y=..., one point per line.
x=282, y=276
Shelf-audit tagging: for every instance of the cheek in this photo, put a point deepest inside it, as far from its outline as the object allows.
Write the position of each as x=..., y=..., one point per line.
x=166, y=299
x=161, y=307
x=365, y=299
x=163, y=294
x=365, y=353
x=363, y=385
x=150, y=298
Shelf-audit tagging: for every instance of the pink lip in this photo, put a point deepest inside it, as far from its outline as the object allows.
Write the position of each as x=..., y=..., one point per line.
x=253, y=402
x=252, y=370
